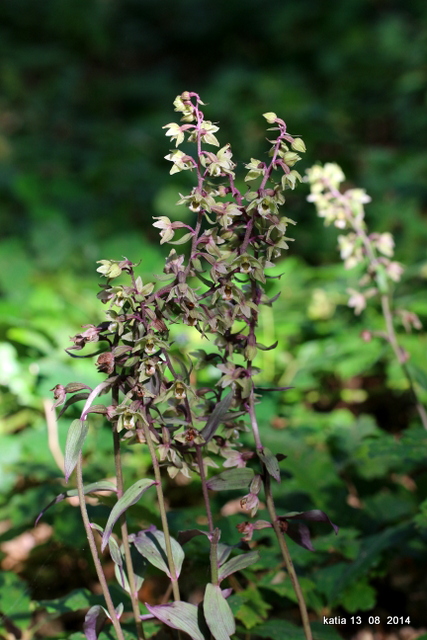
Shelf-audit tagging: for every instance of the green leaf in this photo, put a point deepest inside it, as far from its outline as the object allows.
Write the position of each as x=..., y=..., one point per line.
x=179, y=615
x=359, y=596
x=218, y=614
x=278, y=630
x=77, y=599
x=216, y=417
x=152, y=545
x=185, y=238
x=370, y=554
x=15, y=602
x=238, y=563
x=232, y=479
x=94, y=487
x=271, y=463
x=322, y=632
x=130, y=497
x=75, y=438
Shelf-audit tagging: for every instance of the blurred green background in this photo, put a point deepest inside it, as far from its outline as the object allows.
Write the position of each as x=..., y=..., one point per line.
x=85, y=87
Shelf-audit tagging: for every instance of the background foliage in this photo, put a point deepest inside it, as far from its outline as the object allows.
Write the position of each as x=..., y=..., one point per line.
x=85, y=86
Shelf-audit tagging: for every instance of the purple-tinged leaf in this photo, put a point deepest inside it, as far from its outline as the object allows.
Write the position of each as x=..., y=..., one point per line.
x=75, y=439
x=314, y=515
x=72, y=387
x=270, y=462
x=151, y=544
x=115, y=553
x=216, y=417
x=94, y=394
x=223, y=552
x=130, y=497
x=94, y=622
x=72, y=400
x=218, y=614
x=300, y=534
x=237, y=564
x=97, y=408
x=179, y=615
x=230, y=480
x=94, y=487
x=185, y=536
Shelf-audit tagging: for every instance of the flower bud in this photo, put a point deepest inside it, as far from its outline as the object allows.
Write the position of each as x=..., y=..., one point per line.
x=298, y=145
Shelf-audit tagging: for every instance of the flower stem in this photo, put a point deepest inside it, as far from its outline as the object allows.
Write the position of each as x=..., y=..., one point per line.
x=94, y=552
x=213, y=533
x=162, y=509
x=276, y=524
x=125, y=537
x=286, y=555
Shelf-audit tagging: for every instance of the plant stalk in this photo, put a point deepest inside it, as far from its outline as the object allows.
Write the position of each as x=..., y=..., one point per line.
x=286, y=555
x=276, y=525
x=213, y=533
x=94, y=552
x=125, y=537
x=162, y=509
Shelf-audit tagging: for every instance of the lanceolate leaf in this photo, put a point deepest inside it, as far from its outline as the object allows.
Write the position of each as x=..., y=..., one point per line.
x=237, y=564
x=298, y=531
x=94, y=487
x=75, y=439
x=94, y=621
x=270, y=462
x=72, y=400
x=218, y=614
x=151, y=544
x=130, y=497
x=94, y=394
x=216, y=417
x=232, y=479
x=179, y=615
x=188, y=534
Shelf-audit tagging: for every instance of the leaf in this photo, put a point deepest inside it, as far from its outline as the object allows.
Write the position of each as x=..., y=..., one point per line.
x=77, y=599
x=185, y=238
x=75, y=439
x=94, y=394
x=216, y=417
x=179, y=615
x=238, y=563
x=232, y=479
x=359, y=596
x=15, y=602
x=72, y=400
x=94, y=487
x=271, y=463
x=94, y=621
x=278, y=630
x=218, y=614
x=370, y=551
x=130, y=497
x=188, y=534
x=299, y=532
x=72, y=387
x=152, y=545
x=314, y=515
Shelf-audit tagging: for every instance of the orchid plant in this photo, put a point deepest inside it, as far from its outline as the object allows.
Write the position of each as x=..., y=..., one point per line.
x=216, y=286
x=372, y=253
